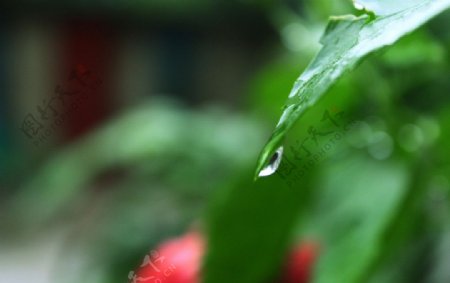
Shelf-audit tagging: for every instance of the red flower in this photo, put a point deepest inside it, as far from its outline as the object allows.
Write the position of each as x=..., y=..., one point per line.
x=175, y=261
x=300, y=263
x=179, y=260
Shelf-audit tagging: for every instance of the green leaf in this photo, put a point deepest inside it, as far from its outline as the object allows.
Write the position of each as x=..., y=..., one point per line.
x=149, y=132
x=353, y=217
x=248, y=232
x=346, y=41
x=385, y=7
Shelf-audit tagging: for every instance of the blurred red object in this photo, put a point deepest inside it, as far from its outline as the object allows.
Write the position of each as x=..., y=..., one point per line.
x=175, y=261
x=179, y=260
x=300, y=263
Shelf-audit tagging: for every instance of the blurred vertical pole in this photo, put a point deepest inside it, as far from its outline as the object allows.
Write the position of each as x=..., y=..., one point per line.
x=4, y=120
x=88, y=49
x=137, y=74
x=177, y=64
x=32, y=56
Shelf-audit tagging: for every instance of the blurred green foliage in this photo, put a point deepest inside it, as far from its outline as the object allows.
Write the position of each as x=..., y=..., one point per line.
x=346, y=40
x=377, y=203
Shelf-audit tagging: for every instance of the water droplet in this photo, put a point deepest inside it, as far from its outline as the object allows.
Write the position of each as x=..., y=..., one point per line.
x=273, y=164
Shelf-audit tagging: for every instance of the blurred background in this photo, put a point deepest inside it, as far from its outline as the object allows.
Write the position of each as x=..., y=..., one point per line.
x=127, y=123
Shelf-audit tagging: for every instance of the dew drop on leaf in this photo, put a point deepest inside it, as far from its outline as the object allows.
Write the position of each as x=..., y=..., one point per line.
x=273, y=164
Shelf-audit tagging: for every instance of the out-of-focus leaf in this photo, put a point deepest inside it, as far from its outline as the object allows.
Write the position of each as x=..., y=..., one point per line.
x=358, y=200
x=346, y=41
x=154, y=131
x=440, y=272
x=415, y=49
x=249, y=230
